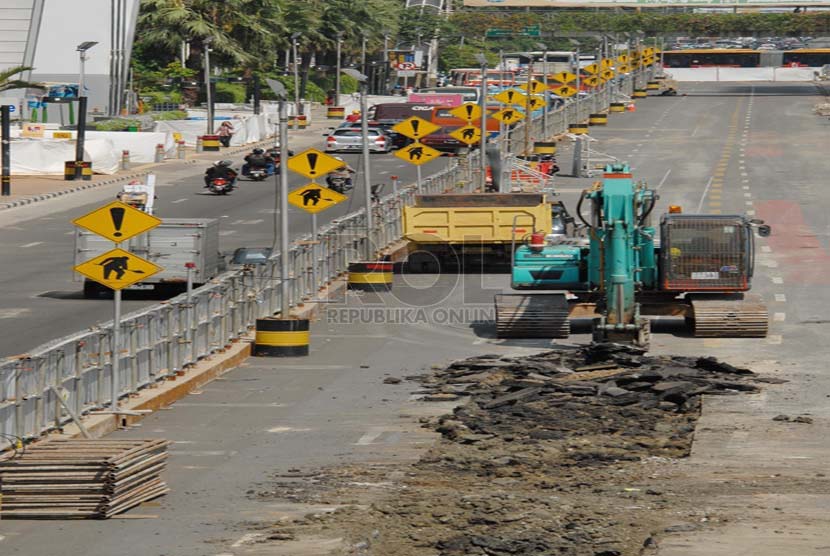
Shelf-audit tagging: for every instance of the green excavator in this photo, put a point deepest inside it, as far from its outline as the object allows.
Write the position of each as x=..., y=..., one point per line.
x=611, y=267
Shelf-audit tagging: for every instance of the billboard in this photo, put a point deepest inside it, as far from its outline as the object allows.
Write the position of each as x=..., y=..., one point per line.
x=642, y=3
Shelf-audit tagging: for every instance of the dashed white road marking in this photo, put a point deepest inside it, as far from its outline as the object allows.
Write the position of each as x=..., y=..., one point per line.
x=747, y=195
x=774, y=339
x=33, y=244
x=745, y=187
x=777, y=280
x=69, y=233
x=703, y=197
x=665, y=177
x=371, y=435
x=750, y=213
x=177, y=201
x=285, y=429
x=227, y=232
x=766, y=249
x=780, y=298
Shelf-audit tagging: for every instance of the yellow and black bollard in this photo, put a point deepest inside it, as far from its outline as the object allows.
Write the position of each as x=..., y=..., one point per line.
x=69, y=169
x=653, y=86
x=639, y=93
x=578, y=129
x=281, y=337
x=210, y=143
x=598, y=119
x=371, y=276
x=544, y=147
x=336, y=112
x=617, y=107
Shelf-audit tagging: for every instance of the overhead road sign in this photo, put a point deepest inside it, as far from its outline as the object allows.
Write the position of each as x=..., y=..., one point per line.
x=417, y=153
x=415, y=127
x=117, y=221
x=509, y=115
x=511, y=96
x=117, y=269
x=468, y=111
x=468, y=134
x=314, y=198
x=313, y=163
x=641, y=4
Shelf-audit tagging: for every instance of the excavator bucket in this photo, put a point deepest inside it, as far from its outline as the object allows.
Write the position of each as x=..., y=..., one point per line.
x=542, y=315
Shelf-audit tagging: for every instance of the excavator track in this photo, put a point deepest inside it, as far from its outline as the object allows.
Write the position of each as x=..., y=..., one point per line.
x=746, y=318
x=532, y=316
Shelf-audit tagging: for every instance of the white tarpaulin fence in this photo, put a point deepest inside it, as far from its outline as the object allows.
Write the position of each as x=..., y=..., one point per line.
x=47, y=157
x=742, y=74
x=249, y=130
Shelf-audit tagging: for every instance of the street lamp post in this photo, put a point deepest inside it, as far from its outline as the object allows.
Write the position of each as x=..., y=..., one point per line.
x=544, y=48
x=364, y=139
x=281, y=179
x=82, y=102
x=482, y=60
x=363, y=55
x=578, y=73
x=337, y=73
x=294, y=38
x=208, y=91
x=385, y=85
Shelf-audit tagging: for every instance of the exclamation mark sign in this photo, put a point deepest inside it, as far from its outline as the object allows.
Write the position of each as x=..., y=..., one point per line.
x=469, y=108
x=415, y=124
x=117, y=215
x=510, y=97
x=312, y=163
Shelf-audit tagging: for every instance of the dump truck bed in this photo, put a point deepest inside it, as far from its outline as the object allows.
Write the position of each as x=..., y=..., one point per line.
x=475, y=217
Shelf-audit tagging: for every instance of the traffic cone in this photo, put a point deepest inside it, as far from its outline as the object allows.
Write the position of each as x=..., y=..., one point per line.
x=631, y=107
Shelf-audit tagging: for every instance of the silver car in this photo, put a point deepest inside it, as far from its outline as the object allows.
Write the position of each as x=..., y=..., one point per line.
x=349, y=139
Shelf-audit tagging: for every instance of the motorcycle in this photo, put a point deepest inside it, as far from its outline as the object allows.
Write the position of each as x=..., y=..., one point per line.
x=339, y=184
x=257, y=174
x=220, y=186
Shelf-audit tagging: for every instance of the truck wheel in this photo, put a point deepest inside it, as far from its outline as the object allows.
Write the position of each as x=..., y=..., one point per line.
x=91, y=290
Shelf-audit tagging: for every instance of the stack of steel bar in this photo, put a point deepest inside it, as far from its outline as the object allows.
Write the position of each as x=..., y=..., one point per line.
x=82, y=478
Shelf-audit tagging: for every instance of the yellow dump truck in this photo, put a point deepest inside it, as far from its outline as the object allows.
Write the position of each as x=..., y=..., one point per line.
x=448, y=231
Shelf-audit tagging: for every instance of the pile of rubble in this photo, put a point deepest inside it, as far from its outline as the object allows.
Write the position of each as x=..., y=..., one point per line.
x=558, y=453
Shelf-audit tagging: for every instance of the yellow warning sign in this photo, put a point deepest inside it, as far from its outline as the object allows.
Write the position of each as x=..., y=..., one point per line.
x=623, y=59
x=468, y=111
x=313, y=163
x=623, y=68
x=117, y=221
x=468, y=134
x=509, y=115
x=592, y=69
x=417, y=153
x=117, y=269
x=648, y=60
x=565, y=91
x=415, y=127
x=606, y=63
x=535, y=101
x=593, y=81
x=511, y=96
x=533, y=87
x=314, y=198
x=607, y=75
x=564, y=77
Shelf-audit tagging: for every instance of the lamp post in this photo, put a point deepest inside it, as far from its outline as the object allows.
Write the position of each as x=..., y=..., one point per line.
x=385, y=85
x=482, y=60
x=544, y=48
x=281, y=179
x=337, y=73
x=294, y=38
x=364, y=139
x=82, y=102
x=578, y=73
x=208, y=91
x=363, y=54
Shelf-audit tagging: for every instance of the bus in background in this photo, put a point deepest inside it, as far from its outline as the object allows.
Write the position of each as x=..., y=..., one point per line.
x=553, y=62
x=471, y=77
x=806, y=58
x=468, y=94
x=712, y=57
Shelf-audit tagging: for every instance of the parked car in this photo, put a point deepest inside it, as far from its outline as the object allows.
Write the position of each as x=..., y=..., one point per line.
x=398, y=140
x=351, y=139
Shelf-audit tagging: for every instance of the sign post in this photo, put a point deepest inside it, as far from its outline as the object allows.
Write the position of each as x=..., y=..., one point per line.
x=117, y=269
x=416, y=153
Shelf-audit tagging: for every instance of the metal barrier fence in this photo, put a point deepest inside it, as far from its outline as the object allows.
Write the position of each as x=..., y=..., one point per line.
x=161, y=340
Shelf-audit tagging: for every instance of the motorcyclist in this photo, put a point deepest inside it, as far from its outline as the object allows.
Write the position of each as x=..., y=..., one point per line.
x=221, y=169
x=258, y=159
x=343, y=173
x=276, y=156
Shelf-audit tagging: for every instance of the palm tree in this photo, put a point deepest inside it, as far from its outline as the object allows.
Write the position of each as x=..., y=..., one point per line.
x=7, y=83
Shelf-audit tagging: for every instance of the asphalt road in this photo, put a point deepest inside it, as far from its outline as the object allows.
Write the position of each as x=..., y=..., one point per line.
x=40, y=299
x=732, y=148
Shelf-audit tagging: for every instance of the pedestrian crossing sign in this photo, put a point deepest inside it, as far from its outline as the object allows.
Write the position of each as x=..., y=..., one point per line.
x=314, y=198
x=117, y=269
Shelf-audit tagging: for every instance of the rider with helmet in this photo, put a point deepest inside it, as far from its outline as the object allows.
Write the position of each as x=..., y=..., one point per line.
x=258, y=159
x=341, y=177
x=221, y=169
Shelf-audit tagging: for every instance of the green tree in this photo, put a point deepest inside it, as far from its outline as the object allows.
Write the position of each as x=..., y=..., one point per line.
x=9, y=82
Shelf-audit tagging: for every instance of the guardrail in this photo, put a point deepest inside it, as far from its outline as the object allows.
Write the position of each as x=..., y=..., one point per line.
x=159, y=341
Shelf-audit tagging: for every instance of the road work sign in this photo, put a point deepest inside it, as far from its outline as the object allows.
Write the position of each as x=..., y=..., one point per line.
x=468, y=134
x=467, y=111
x=565, y=91
x=313, y=163
x=564, y=77
x=534, y=87
x=117, y=221
x=511, y=96
x=415, y=127
x=117, y=269
x=314, y=198
x=509, y=116
x=417, y=153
